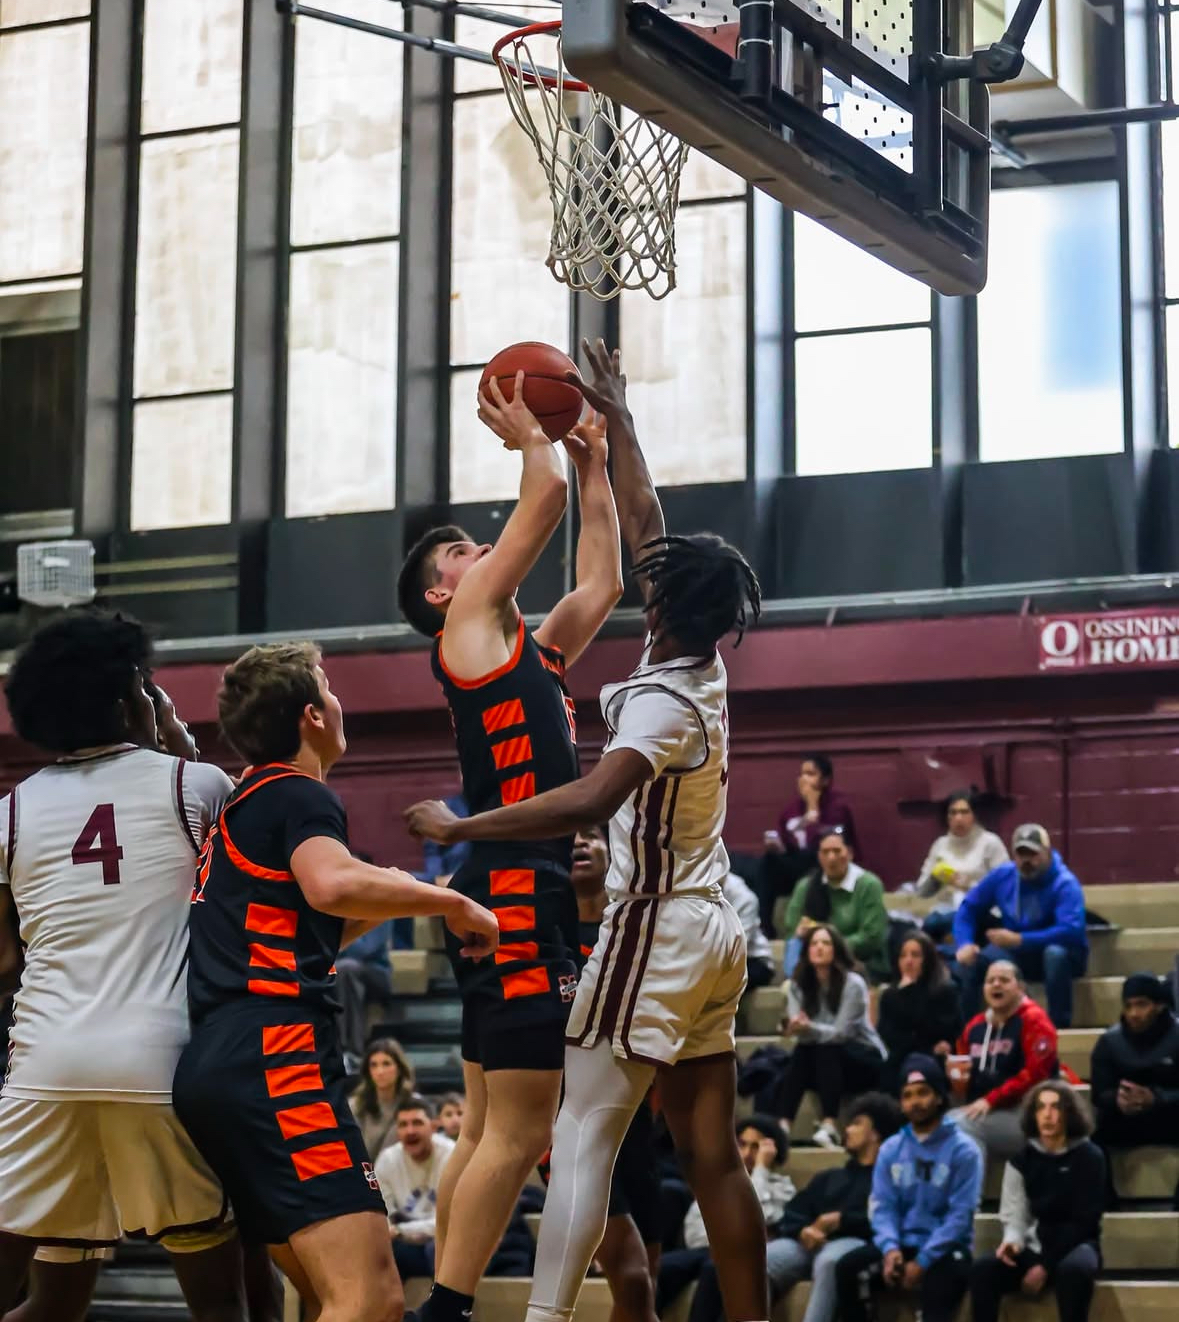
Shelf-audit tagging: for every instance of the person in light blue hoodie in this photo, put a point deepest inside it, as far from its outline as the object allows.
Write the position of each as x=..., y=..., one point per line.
x=925, y=1189
x=1030, y=911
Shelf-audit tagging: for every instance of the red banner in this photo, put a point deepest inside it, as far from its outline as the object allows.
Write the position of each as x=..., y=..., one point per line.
x=1113, y=640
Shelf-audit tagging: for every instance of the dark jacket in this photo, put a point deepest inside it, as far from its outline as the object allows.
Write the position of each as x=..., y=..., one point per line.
x=1150, y=1059
x=1065, y=1194
x=1007, y=1061
x=844, y=1190
x=916, y=1018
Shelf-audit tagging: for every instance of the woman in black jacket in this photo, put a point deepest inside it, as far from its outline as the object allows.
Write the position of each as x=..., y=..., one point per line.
x=920, y=1011
x=1050, y=1209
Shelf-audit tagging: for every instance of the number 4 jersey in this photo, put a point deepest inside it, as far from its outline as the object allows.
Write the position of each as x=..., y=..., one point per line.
x=100, y=853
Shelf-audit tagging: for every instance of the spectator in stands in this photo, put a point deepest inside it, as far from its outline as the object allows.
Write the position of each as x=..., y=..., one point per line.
x=363, y=978
x=763, y=1147
x=836, y=1052
x=920, y=1012
x=793, y=849
x=956, y=861
x=1012, y=1046
x=1040, y=924
x=759, y=958
x=925, y=1189
x=829, y=1218
x=1135, y=1071
x=408, y=1173
x=386, y=1080
x=1053, y=1194
x=450, y=1115
x=851, y=900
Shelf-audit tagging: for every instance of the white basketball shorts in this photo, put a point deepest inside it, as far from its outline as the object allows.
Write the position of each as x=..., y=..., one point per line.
x=83, y=1173
x=664, y=980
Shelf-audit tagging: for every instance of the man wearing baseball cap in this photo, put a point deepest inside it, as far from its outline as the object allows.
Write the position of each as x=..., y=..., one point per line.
x=925, y=1188
x=1030, y=911
x=1135, y=1071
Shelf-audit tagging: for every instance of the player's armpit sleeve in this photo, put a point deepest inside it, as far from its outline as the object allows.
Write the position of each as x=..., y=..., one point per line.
x=312, y=810
x=662, y=728
x=204, y=790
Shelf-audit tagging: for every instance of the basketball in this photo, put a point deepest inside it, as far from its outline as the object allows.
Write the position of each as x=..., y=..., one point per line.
x=556, y=404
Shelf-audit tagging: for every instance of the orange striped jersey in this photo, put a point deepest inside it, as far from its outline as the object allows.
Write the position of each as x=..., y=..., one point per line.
x=516, y=734
x=251, y=931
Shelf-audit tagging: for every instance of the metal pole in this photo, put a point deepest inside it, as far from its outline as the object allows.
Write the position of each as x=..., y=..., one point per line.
x=435, y=44
x=1089, y=119
x=755, y=49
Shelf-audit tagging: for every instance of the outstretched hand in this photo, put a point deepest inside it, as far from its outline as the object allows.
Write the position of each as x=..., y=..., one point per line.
x=586, y=443
x=607, y=390
x=511, y=420
x=431, y=820
x=477, y=929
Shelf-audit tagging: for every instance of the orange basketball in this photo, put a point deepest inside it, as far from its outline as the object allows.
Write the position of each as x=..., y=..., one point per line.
x=556, y=404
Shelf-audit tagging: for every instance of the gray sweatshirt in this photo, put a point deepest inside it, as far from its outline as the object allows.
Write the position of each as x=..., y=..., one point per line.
x=850, y=1022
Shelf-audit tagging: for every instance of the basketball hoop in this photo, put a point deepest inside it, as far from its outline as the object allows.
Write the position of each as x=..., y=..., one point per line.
x=614, y=177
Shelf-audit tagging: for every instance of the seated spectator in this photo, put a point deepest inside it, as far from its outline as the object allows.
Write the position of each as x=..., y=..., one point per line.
x=386, y=1080
x=363, y=978
x=763, y=1147
x=408, y=1173
x=920, y=1012
x=851, y=900
x=1012, y=1046
x=837, y=1052
x=1053, y=1193
x=1135, y=1072
x=759, y=958
x=1040, y=925
x=956, y=861
x=830, y=1216
x=925, y=1188
x=450, y=1115
x=793, y=849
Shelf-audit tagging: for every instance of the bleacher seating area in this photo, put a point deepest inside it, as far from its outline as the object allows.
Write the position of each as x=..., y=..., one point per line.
x=1140, y=1281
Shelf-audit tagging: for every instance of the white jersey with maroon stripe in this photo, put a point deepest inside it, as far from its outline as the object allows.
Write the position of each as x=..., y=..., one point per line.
x=100, y=853
x=666, y=839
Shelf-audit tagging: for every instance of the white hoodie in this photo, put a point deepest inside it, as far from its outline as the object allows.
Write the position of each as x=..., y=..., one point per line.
x=410, y=1188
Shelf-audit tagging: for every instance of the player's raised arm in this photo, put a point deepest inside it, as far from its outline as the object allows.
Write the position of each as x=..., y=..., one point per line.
x=337, y=883
x=640, y=515
x=579, y=615
x=593, y=799
x=494, y=581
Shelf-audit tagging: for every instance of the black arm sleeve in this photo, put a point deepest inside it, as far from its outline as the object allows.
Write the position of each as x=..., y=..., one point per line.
x=1103, y=1078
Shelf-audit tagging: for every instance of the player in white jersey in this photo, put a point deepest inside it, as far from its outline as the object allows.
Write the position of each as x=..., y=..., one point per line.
x=659, y=994
x=97, y=857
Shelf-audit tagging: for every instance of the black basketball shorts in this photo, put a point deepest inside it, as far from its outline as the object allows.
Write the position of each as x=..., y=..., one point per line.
x=261, y=1089
x=516, y=1003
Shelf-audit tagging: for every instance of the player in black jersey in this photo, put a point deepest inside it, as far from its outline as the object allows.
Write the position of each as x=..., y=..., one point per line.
x=514, y=727
x=261, y=1085
x=630, y=1247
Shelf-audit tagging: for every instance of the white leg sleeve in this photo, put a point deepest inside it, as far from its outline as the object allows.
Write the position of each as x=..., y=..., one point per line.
x=601, y=1095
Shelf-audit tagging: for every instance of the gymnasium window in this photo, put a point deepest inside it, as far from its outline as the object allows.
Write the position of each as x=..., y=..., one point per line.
x=686, y=356
x=1049, y=324
x=44, y=85
x=186, y=264
x=345, y=258
x=500, y=289
x=863, y=353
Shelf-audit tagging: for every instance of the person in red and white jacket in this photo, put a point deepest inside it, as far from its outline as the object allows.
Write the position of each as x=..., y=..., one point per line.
x=1012, y=1046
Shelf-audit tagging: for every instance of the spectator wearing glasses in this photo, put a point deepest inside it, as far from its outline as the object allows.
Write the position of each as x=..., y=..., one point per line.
x=956, y=861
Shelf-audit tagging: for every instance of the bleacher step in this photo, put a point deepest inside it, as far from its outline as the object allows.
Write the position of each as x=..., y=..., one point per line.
x=1140, y=1173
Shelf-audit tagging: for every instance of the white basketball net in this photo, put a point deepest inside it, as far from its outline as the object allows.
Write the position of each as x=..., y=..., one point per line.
x=614, y=178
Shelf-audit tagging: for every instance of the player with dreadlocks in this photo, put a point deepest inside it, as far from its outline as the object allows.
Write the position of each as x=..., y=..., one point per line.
x=658, y=996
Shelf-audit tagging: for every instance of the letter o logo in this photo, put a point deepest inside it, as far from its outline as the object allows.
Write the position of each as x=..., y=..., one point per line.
x=1060, y=638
